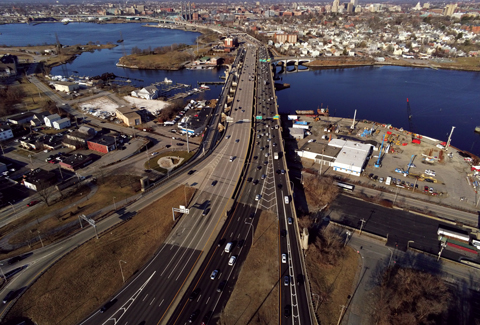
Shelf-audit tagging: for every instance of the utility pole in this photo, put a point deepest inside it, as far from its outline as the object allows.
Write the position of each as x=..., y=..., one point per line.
x=361, y=227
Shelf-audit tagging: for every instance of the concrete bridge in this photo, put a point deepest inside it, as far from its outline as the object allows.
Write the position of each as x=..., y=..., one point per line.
x=291, y=60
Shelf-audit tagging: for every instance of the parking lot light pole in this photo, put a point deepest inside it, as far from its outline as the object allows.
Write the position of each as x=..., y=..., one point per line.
x=121, y=270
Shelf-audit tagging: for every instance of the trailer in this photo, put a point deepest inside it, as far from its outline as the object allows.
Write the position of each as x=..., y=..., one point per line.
x=450, y=233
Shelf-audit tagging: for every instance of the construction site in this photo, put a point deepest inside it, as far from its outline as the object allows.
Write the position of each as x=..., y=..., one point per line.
x=382, y=155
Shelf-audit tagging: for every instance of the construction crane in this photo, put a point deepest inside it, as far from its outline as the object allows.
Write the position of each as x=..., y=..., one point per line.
x=409, y=165
x=378, y=164
x=410, y=121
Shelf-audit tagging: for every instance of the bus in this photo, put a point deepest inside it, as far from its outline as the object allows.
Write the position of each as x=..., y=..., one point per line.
x=345, y=186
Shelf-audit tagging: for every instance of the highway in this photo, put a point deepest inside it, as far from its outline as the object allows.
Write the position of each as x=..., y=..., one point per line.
x=150, y=295
x=265, y=176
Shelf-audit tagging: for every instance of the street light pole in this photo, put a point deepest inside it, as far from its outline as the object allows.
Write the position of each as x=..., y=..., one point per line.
x=185, y=193
x=12, y=207
x=121, y=270
x=114, y=203
x=251, y=227
x=39, y=237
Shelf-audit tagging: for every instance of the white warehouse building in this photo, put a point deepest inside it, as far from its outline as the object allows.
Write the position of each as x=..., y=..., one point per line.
x=352, y=157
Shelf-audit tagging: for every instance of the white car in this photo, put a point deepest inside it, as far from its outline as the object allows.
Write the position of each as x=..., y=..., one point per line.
x=284, y=258
x=232, y=158
x=232, y=260
x=214, y=274
x=311, y=140
x=258, y=197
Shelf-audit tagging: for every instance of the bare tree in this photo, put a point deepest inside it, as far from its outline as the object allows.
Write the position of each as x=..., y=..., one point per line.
x=46, y=191
x=409, y=296
x=319, y=191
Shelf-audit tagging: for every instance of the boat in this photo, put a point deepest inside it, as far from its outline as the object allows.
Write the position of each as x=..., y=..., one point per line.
x=167, y=81
x=203, y=86
x=477, y=129
x=121, y=38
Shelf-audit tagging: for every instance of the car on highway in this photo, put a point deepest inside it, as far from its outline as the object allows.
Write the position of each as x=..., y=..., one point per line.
x=232, y=158
x=237, y=141
x=207, y=317
x=259, y=167
x=191, y=172
x=232, y=260
x=258, y=197
x=282, y=171
x=249, y=179
x=255, y=157
x=264, y=176
x=284, y=258
x=214, y=183
x=221, y=242
x=300, y=279
x=286, y=280
x=214, y=274
x=194, y=294
x=290, y=220
x=32, y=203
x=155, y=153
x=287, y=311
x=107, y=306
x=283, y=233
x=228, y=137
x=255, y=182
x=194, y=316
x=10, y=296
x=221, y=286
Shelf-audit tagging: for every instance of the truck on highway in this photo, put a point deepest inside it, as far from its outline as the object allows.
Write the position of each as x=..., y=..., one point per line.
x=275, y=155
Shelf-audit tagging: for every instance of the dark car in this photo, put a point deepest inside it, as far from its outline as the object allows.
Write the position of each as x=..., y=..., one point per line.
x=255, y=182
x=194, y=294
x=300, y=279
x=249, y=179
x=221, y=242
x=207, y=317
x=283, y=233
x=287, y=311
x=214, y=183
x=194, y=316
x=107, y=305
x=255, y=157
x=221, y=286
x=10, y=296
x=191, y=172
x=259, y=167
x=240, y=243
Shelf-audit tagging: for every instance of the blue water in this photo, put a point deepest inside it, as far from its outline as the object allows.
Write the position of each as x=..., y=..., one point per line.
x=439, y=99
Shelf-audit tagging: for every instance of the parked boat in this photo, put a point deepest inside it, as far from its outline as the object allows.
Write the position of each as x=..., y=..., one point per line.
x=203, y=86
x=167, y=81
x=477, y=129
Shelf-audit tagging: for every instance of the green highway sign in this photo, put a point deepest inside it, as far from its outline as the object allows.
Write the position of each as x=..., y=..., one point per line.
x=258, y=117
x=276, y=117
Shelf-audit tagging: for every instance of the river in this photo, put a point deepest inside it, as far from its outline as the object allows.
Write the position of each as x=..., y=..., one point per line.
x=439, y=99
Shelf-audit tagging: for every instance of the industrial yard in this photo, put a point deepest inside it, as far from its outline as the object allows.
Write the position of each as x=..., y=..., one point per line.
x=420, y=168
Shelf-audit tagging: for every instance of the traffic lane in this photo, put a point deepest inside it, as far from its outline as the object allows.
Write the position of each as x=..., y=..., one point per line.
x=388, y=222
x=216, y=256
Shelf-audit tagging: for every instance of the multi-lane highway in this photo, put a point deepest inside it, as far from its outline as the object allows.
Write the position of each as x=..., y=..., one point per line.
x=264, y=187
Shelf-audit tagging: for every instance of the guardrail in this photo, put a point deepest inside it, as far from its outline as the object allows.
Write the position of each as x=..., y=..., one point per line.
x=311, y=308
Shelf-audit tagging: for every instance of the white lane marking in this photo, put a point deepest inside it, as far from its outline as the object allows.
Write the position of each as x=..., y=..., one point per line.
x=161, y=302
x=152, y=301
x=123, y=310
x=207, y=301
x=145, y=297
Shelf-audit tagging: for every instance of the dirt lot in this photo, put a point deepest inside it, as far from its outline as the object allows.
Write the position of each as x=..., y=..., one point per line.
x=152, y=163
x=331, y=285
x=256, y=302
x=119, y=186
x=63, y=295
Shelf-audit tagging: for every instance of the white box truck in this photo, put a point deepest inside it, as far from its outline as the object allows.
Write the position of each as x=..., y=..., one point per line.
x=275, y=155
x=388, y=181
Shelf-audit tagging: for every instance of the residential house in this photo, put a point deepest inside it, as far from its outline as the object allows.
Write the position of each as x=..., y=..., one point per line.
x=150, y=92
x=8, y=65
x=5, y=133
x=21, y=118
x=50, y=119
x=39, y=119
x=61, y=124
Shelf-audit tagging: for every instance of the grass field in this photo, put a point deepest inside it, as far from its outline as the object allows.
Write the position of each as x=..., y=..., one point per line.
x=119, y=186
x=331, y=284
x=83, y=280
x=255, y=297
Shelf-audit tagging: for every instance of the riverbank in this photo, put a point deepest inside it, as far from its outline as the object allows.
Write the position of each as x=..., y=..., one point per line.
x=460, y=64
x=49, y=54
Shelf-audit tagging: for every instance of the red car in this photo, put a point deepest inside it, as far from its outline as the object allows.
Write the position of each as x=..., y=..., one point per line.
x=32, y=203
